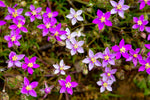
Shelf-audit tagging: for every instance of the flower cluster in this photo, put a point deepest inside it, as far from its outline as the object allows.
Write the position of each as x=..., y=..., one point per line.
x=52, y=28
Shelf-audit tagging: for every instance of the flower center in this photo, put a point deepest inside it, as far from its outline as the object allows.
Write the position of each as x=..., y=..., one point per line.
x=119, y=7
x=108, y=74
x=61, y=68
x=105, y=84
x=28, y=87
x=147, y=65
x=47, y=90
x=75, y=46
x=49, y=15
x=14, y=58
x=68, y=84
x=30, y=65
x=106, y=57
x=13, y=38
x=56, y=34
x=19, y=25
x=146, y=1
x=68, y=36
x=123, y=50
x=48, y=25
x=102, y=19
x=139, y=22
x=15, y=13
x=93, y=60
x=75, y=15
x=135, y=55
x=34, y=12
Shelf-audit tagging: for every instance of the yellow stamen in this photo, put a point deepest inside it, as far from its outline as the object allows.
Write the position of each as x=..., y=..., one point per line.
x=105, y=84
x=75, y=15
x=119, y=7
x=56, y=34
x=29, y=87
x=108, y=74
x=93, y=60
x=135, y=55
x=139, y=22
x=13, y=38
x=61, y=68
x=30, y=65
x=49, y=15
x=106, y=57
x=19, y=25
x=102, y=19
x=68, y=36
x=147, y=65
x=14, y=58
x=122, y=50
x=34, y=12
x=15, y=13
x=146, y=1
x=48, y=25
x=75, y=46
x=68, y=84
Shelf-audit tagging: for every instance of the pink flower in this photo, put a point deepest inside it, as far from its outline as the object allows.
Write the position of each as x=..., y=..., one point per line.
x=75, y=46
x=102, y=19
x=34, y=13
x=119, y=7
x=67, y=85
x=28, y=88
x=30, y=64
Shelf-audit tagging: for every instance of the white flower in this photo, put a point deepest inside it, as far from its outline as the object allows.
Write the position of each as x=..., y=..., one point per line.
x=79, y=33
x=68, y=35
x=60, y=68
x=74, y=16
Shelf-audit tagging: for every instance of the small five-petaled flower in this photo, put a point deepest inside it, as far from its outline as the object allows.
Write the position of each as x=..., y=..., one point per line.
x=67, y=85
x=74, y=16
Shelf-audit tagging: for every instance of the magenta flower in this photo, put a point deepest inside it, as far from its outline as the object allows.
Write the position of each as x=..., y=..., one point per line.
x=74, y=16
x=60, y=68
x=148, y=38
x=134, y=56
x=143, y=2
x=34, y=13
x=108, y=57
x=67, y=85
x=28, y=88
x=18, y=27
x=68, y=35
x=2, y=22
x=2, y=4
x=140, y=23
x=49, y=14
x=47, y=90
x=14, y=59
x=47, y=26
x=105, y=84
x=119, y=7
x=15, y=14
x=92, y=60
x=13, y=39
x=122, y=49
x=147, y=46
x=145, y=65
x=102, y=19
x=75, y=46
x=30, y=64
x=57, y=32
x=109, y=73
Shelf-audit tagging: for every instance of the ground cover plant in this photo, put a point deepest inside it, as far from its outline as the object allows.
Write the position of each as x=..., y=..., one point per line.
x=74, y=49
